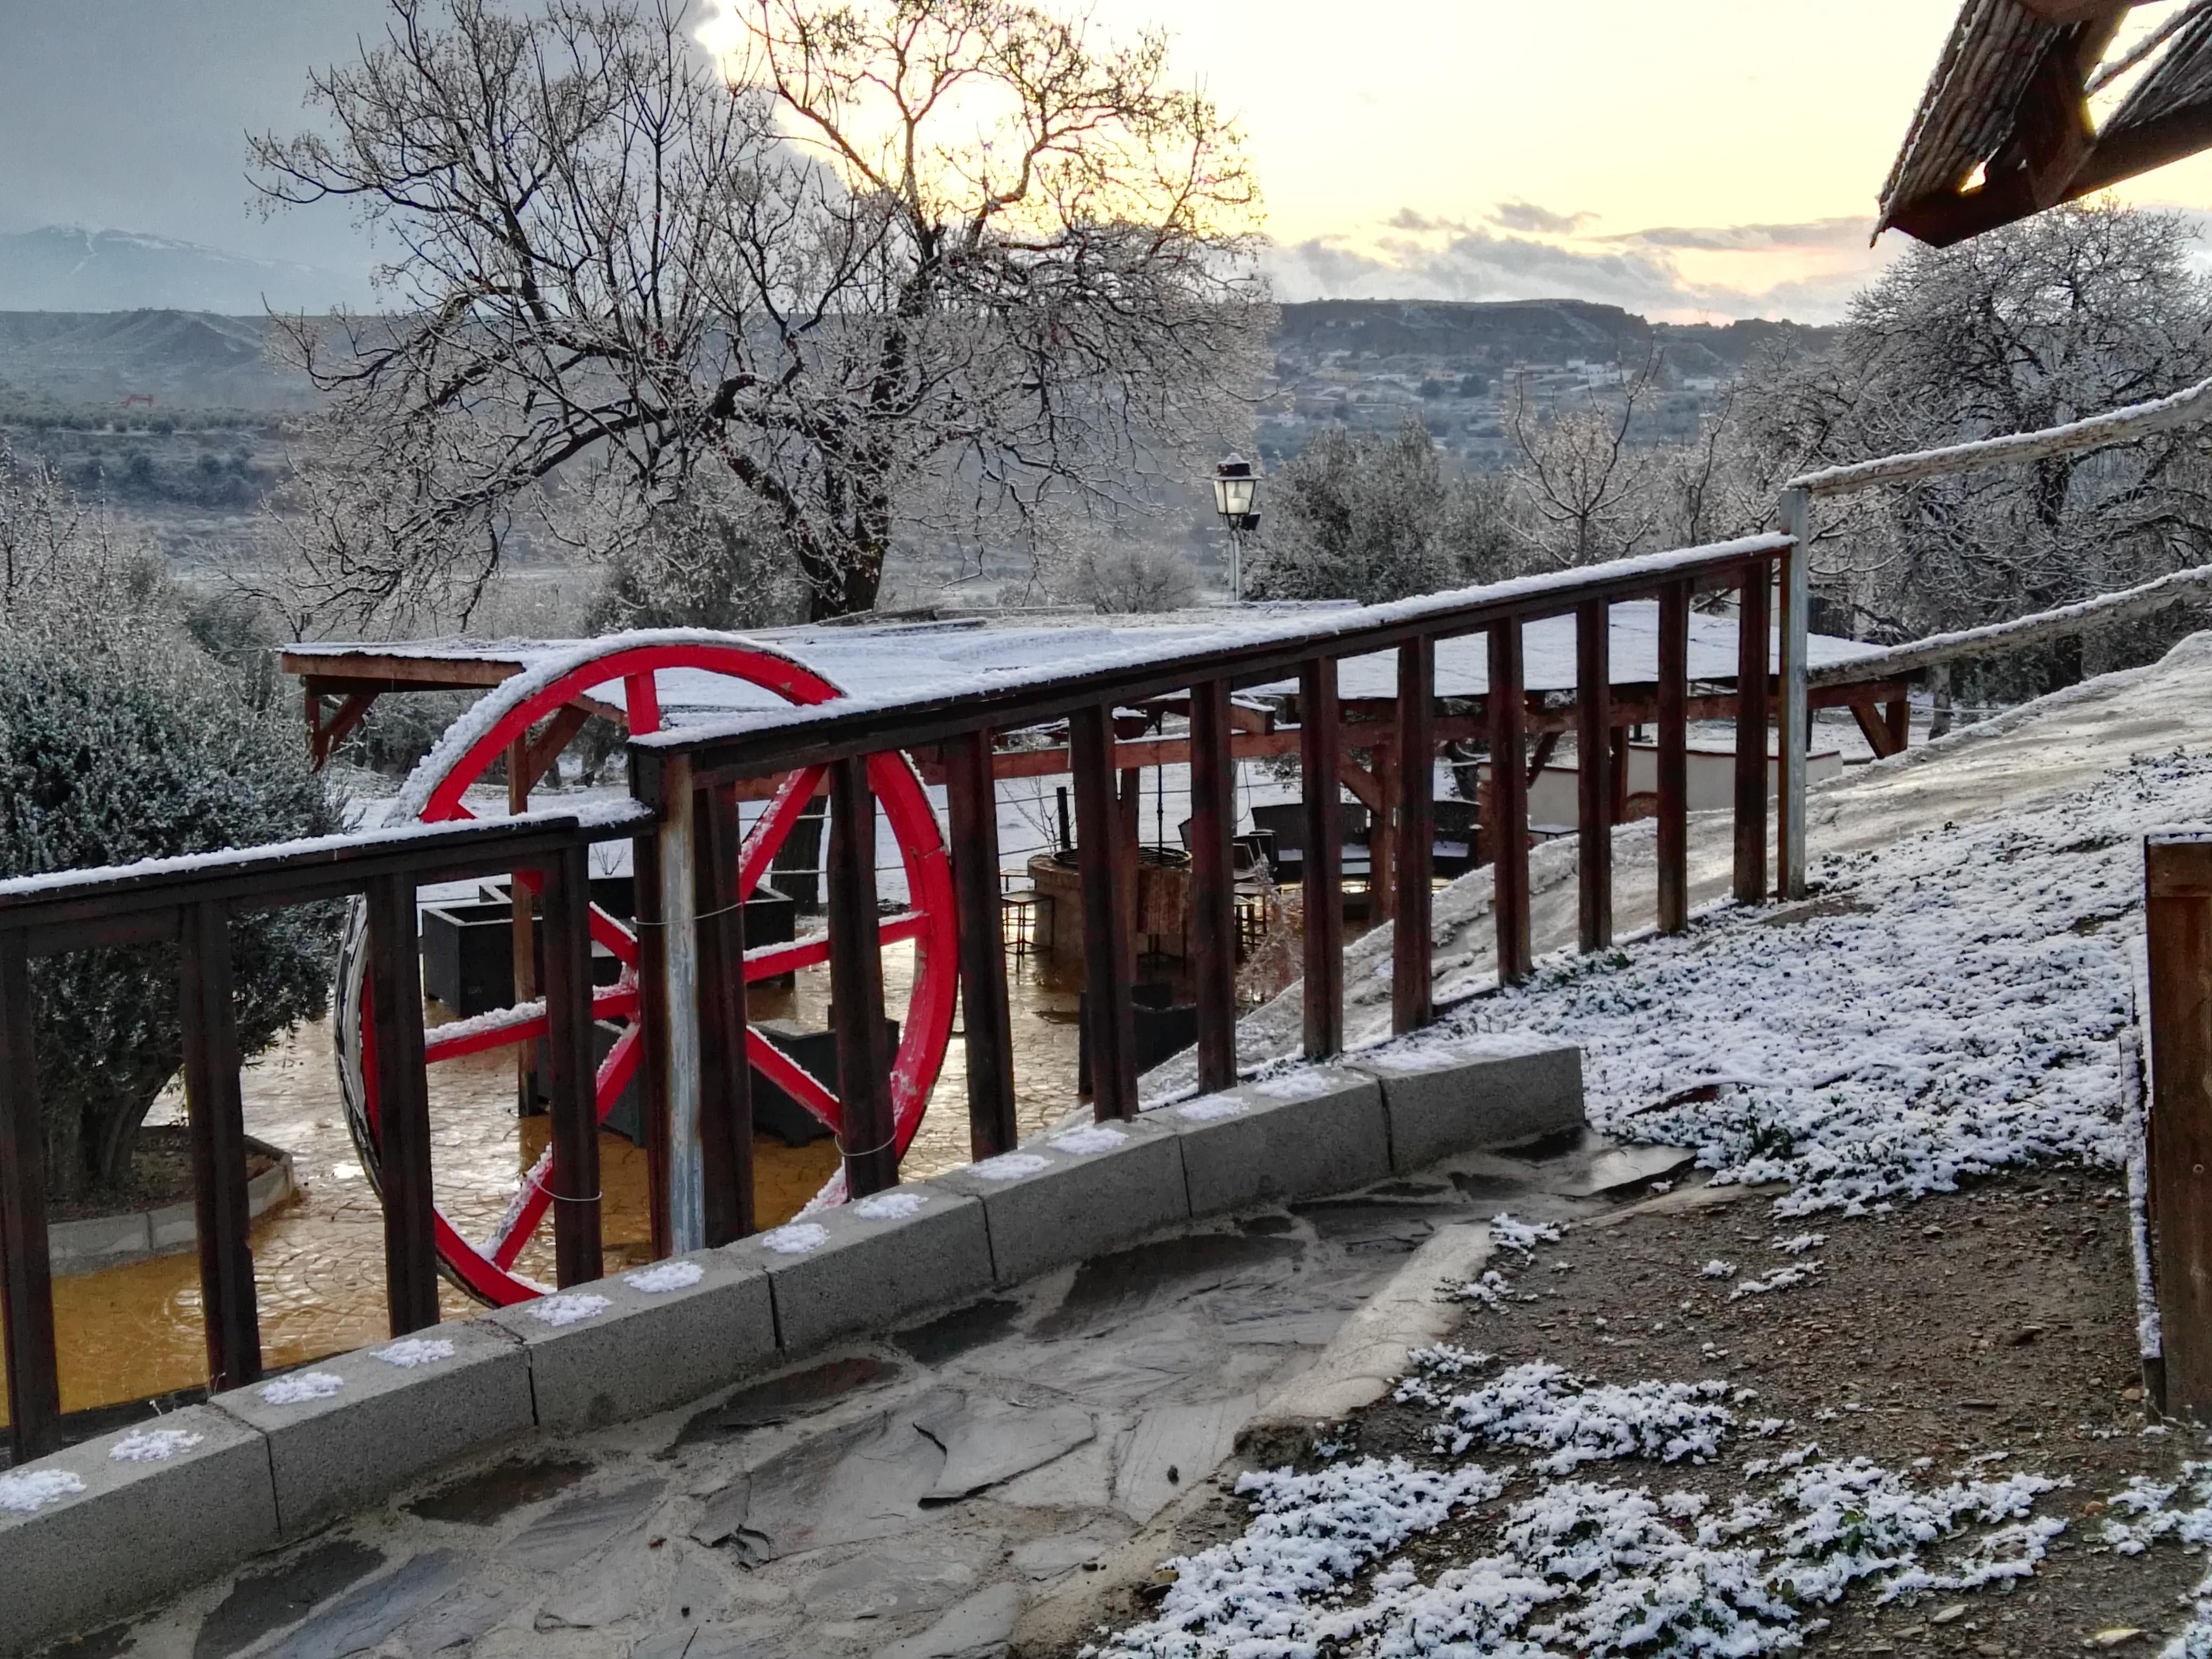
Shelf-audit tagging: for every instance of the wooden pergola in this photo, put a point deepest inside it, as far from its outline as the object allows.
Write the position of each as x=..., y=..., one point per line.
x=2006, y=128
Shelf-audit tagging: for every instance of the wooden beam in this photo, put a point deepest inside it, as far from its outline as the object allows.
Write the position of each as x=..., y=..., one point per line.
x=542, y=750
x=725, y=1071
x=571, y=1077
x=1321, y=870
x=1508, y=803
x=973, y=810
x=1109, y=970
x=1750, y=734
x=402, y=1106
x=1412, y=1002
x=1674, y=767
x=1594, y=774
x=27, y=1288
x=1213, y=886
x=324, y=735
x=867, y=1131
x=2178, y=925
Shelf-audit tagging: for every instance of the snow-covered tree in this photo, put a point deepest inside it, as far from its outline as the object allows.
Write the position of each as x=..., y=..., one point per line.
x=892, y=265
x=2083, y=308
x=1374, y=519
x=121, y=740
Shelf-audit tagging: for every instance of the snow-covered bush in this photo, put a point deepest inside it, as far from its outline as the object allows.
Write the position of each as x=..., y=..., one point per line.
x=120, y=740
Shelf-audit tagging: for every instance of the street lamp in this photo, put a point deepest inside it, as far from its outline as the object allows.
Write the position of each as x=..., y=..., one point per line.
x=1236, y=498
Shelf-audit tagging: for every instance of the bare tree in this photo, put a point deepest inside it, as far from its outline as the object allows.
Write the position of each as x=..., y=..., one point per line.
x=2080, y=309
x=1586, y=498
x=910, y=256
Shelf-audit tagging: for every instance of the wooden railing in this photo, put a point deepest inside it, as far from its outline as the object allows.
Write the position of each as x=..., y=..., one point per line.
x=683, y=774
x=190, y=902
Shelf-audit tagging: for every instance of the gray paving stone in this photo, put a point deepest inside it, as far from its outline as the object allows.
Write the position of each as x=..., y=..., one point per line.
x=271, y=1598
x=1052, y=1201
x=136, y=1529
x=979, y=1628
x=382, y=1423
x=363, y=1618
x=1318, y=1129
x=886, y=1583
x=861, y=1480
x=647, y=1349
x=1444, y=1098
x=1172, y=1448
x=988, y=1440
x=582, y=1526
x=865, y=1272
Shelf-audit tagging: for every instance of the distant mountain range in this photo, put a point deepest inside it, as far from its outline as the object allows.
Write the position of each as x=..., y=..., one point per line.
x=62, y=269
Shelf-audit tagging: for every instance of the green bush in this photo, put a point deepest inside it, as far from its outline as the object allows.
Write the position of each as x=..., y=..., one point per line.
x=133, y=746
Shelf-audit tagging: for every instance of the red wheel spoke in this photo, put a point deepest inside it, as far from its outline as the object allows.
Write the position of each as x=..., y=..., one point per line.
x=771, y=961
x=504, y=1030
x=773, y=827
x=512, y=1236
x=794, y=1079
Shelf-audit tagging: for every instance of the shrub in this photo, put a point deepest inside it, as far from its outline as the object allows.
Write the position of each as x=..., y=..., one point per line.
x=131, y=746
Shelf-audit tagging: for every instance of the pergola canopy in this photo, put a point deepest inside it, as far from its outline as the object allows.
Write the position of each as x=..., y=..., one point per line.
x=2005, y=129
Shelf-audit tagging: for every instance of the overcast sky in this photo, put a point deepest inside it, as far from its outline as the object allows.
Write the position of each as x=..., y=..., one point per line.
x=1705, y=157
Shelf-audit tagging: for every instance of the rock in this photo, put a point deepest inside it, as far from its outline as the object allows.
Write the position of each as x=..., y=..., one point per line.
x=863, y=1480
x=979, y=1628
x=2113, y=1636
x=487, y=1496
x=1946, y=1615
x=988, y=1440
x=582, y=1526
x=456, y=1621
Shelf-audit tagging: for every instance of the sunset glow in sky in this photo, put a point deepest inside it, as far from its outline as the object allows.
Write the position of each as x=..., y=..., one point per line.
x=1677, y=157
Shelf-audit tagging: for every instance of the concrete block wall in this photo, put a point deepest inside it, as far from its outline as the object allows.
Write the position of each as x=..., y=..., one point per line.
x=102, y=1528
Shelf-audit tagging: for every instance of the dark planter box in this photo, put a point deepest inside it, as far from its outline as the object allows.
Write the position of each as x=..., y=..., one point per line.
x=1164, y=1029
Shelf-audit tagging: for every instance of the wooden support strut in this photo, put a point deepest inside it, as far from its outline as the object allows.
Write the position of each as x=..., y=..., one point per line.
x=1321, y=886
x=1412, y=999
x=2177, y=926
x=868, y=1135
x=571, y=1080
x=26, y=1290
x=402, y=1106
x=1674, y=762
x=222, y=1210
x=1109, y=970
x=726, y=1075
x=972, y=800
x=1594, y=774
x=1751, y=735
x=1213, y=886
x=1508, y=803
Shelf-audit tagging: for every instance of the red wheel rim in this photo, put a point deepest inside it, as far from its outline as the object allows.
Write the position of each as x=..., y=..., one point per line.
x=434, y=794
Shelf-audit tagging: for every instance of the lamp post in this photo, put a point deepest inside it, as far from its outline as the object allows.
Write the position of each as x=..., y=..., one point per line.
x=1236, y=498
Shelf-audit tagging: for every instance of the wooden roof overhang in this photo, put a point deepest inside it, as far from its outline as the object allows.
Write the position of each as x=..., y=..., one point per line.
x=2005, y=130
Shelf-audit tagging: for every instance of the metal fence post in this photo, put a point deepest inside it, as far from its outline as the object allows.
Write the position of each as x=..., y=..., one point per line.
x=1796, y=733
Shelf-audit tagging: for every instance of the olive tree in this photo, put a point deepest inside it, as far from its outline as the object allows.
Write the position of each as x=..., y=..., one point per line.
x=891, y=265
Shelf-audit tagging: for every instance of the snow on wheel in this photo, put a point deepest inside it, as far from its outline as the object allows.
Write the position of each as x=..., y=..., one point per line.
x=622, y=672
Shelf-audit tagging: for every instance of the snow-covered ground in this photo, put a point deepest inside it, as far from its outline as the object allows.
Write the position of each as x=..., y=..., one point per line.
x=1950, y=1002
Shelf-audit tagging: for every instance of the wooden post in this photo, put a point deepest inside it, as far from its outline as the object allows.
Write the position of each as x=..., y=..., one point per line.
x=1594, y=771
x=1213, y=886
x=1413, y=1001
x=1109, y=970
x=1131, y=801
x=1897, y=720
x=652, y=1037
x=524, y=952
x=1796, y=731
x=571, y=1082
x=1509, y=802
x=972, y=797
x=1673, y=757
x=1321, y=753
x=2177, y=923
x=27, y=1288
x=726, y=1094
x=403, y=1105
x=1382, y=837
x=856, y=984
x=1751, y=735
x=222, y=1209
x=677, y=947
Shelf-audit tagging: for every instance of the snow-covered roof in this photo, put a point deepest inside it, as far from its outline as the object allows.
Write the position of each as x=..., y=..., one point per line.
x=889, y=660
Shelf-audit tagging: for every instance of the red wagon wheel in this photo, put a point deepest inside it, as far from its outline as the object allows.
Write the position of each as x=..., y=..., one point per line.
x=633, y=663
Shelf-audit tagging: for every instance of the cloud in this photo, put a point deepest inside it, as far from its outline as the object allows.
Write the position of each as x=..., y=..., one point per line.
x=1518, y=215
x=1415, y=257
x=1815, y=233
